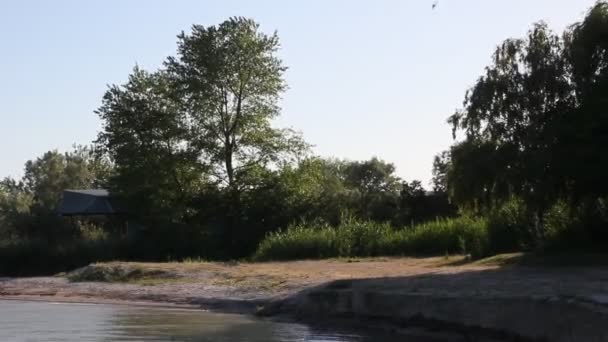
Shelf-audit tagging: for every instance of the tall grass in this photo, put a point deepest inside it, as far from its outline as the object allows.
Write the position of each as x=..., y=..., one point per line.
x=363, y=239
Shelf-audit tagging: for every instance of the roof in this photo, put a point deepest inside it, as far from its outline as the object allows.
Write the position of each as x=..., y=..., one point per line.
x=91, y=192
x=84, y=202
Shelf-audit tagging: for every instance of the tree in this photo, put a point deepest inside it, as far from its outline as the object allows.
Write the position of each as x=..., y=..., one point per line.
x=376, y=185
x=47, y=176
x=27, y=206
x=229, y=80
x=146, y=134
x=15, y=204
x=374, y=175
x=509, y=121
x=412, y=202
x=535, y=124
x=200, y=129
x=583, y=131
x=441, y=164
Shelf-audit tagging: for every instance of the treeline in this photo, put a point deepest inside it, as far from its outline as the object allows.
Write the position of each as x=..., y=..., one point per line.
x=313, y=191
x=535, y=136
x=192, y=152
x=529, y=163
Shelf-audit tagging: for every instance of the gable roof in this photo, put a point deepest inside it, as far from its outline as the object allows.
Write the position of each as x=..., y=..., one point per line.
x=91, y=192
x=83, y=202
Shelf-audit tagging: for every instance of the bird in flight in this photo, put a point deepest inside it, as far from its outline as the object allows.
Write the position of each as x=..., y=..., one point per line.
x=435, y=4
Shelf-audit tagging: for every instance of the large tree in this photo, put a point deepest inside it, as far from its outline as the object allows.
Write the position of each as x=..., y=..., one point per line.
x=535, y=123
x=376, y=187
x=584, y=130
x=229, y=79
x=146, y=134
x=200, y=130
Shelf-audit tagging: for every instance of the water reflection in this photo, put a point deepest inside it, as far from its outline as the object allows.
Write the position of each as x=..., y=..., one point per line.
x=38, y=321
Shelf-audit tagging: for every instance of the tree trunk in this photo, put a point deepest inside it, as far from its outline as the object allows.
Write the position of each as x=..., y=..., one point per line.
x=233, y=205
x=228, y=162
x=539, y=229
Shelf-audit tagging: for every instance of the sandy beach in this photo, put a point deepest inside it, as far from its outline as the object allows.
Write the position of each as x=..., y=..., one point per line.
x=488, y=296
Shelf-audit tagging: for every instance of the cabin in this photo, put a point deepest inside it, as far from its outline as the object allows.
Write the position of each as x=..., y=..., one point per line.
x=96, y=205
x=88, y=202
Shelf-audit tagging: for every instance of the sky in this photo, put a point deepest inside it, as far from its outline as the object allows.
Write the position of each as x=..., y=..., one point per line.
x=366, y=78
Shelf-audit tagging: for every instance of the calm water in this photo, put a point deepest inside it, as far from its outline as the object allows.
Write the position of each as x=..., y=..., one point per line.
x=38, y=321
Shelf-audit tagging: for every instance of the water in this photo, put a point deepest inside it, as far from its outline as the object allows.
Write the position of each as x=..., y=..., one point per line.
x=40, y=321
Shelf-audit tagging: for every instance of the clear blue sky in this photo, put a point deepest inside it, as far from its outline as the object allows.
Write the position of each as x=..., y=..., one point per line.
x=367, y=78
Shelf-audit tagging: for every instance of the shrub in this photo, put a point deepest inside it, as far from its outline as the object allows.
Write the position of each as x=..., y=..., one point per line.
x=457, y=235
x=39, y=257
x=510, y=227
x=353, y=238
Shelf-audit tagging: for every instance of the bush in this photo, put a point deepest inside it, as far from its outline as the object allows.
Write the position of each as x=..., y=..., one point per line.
x=462, y=235
x=39, y=257
x=91, y=243
x=581, y=228
x=353, y=238
x=510, y=227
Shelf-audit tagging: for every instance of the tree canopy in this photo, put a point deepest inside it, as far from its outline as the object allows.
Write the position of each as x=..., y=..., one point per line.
x=535, y=122
x=229, y=79
x=205, y=119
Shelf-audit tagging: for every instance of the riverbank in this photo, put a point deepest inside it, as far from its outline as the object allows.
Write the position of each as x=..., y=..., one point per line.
x=492, y=298
x=228, y=287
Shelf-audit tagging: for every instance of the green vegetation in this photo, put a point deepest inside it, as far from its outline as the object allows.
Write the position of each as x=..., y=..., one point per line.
x=354, y=238
x=191, y=151
x=534, y=129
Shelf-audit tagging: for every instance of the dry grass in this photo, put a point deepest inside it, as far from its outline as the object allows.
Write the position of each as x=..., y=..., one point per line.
x=210, y=282
x=273, y=276
x=279, y=277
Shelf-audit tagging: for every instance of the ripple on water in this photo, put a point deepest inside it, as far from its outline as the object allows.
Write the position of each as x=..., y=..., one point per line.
x=40, y=321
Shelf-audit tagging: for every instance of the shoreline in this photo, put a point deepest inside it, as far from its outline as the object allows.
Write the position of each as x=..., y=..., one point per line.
x=341, y=323
x=408, y=296
x=100, y=301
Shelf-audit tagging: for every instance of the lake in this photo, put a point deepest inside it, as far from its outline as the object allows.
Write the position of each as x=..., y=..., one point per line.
x=41, y=321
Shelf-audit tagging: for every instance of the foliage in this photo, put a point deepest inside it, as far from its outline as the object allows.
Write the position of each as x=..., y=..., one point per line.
x=46, y=177
x=416, y=205
x=354, y=238
x=534, y=123
x=510, y=227
x=26, y=257
x=374, y=186
x=192, y=150
x=200, y=130
x=157, y=168
x=441, y=164
x=27, y=206
x=229, y=80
